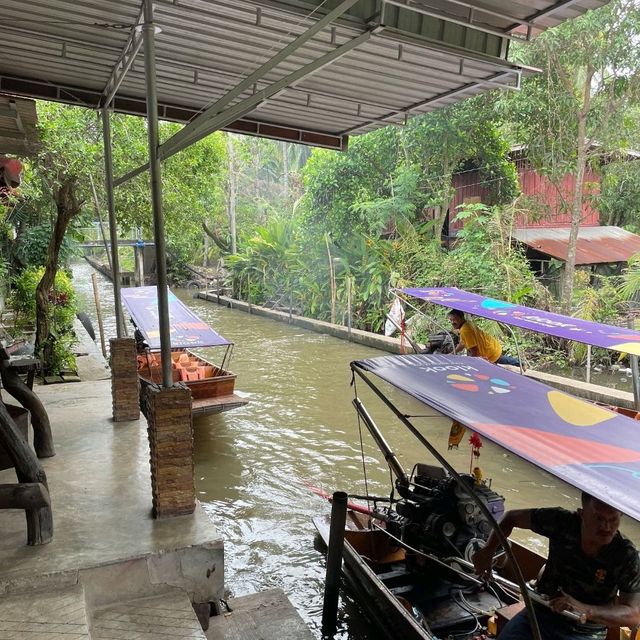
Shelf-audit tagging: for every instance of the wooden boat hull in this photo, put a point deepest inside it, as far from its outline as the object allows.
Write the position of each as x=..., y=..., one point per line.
x=212, y=388
x=373, y=567
x=385, y=608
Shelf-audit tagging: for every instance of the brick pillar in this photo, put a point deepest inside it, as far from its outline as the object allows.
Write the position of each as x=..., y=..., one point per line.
x=125, y=392
x=170, y=430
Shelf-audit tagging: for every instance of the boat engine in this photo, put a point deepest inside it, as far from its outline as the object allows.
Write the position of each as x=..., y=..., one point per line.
x=437, y=515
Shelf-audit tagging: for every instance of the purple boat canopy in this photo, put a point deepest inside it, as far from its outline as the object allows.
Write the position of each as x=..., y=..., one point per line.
x=187, y=330
x=553, y=324
x=590, y=447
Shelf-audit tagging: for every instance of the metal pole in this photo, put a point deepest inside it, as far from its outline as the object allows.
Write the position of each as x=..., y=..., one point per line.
x=156, y=193
x=334, y=563
x=113, y=225
x=390, y=457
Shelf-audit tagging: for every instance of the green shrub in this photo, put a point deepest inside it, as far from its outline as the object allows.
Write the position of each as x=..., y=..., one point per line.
x=62, y=312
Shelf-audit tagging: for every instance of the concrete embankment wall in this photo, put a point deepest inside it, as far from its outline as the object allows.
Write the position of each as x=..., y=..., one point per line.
x=593, y=392
x=367, y=338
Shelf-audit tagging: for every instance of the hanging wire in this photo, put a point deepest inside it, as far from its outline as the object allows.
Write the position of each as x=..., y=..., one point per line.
x=102, y=25
x=364, y=464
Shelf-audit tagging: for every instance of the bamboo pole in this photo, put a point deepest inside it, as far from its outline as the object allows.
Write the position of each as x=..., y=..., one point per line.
x=96, y=297
x=349, y=280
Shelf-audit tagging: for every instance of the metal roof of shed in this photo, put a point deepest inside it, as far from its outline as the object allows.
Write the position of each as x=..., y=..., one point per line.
x=595, y=244
x=376, y=64
x=18, y=120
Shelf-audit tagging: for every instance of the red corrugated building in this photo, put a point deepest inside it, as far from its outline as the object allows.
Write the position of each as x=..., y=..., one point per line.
x=544, y=200
x=545, y=226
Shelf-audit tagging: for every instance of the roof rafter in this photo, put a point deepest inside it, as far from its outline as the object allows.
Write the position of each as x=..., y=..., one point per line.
x=200, y=122
x=125, y=61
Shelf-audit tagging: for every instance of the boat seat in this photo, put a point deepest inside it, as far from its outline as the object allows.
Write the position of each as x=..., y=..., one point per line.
x=190, y=373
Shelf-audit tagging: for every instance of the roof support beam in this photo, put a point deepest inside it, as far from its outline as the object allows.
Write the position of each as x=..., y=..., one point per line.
x=543, y=13
x=125, y=61
x=410, y=5
x=478, y=8
x=199, y=122
x=242, y=108
x=221, y=120
x=442, y=96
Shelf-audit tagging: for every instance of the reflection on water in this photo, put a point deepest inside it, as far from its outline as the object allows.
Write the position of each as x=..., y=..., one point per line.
x=253, y=464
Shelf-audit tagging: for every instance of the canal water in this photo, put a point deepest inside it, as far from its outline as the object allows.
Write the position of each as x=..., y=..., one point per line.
x=254, y=465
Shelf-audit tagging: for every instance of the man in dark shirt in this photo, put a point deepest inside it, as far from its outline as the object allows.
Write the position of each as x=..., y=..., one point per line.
x=589, y=563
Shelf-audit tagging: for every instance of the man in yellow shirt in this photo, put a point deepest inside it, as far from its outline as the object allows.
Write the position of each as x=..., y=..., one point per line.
x=477, y=342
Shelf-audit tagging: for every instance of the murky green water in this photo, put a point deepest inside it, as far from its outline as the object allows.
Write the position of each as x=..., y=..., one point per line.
x=253, y=464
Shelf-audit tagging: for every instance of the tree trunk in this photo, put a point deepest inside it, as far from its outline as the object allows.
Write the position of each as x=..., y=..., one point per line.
x=578, y=195
x=231, y=195
x=257, y=164
x=205, y=248
x=68, y=206
x=285, y=170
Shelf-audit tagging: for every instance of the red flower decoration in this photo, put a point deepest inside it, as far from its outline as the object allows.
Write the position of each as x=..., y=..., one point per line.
x=475, y=441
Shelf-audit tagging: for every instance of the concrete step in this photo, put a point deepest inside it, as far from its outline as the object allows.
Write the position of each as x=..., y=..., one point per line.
x=38, y=615
x=169, y=616
x=267, y=615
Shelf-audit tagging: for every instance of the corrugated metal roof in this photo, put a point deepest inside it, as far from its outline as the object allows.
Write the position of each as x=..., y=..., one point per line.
x=595, y=244
x=17, y=126
x=420, y=55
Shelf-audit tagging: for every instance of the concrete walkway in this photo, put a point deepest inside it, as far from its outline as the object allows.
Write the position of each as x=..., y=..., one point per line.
x=100, y=488
x=111, y=570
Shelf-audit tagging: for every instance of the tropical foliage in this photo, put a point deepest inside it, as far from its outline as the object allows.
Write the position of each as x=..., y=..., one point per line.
x=577, y=113
x=327, y=234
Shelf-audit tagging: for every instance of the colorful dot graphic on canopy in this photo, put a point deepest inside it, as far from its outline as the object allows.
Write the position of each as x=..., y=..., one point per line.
x=471, y=383
x=464, y=383
x=628, y=347
x=490, y=303
x=577, y=412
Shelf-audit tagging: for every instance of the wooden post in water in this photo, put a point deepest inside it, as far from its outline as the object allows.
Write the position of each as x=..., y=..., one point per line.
x=98, y=313
x=349, y=306
x=248, y=294
x=334, y=564
x=588, y=373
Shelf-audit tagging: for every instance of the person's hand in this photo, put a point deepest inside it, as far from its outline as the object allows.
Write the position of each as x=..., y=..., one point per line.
x=482, y=561
x=565, y=602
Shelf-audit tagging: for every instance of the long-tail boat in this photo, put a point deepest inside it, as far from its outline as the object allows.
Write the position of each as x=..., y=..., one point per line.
x=407, y=554
x=212, y=385
x=594, y=334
